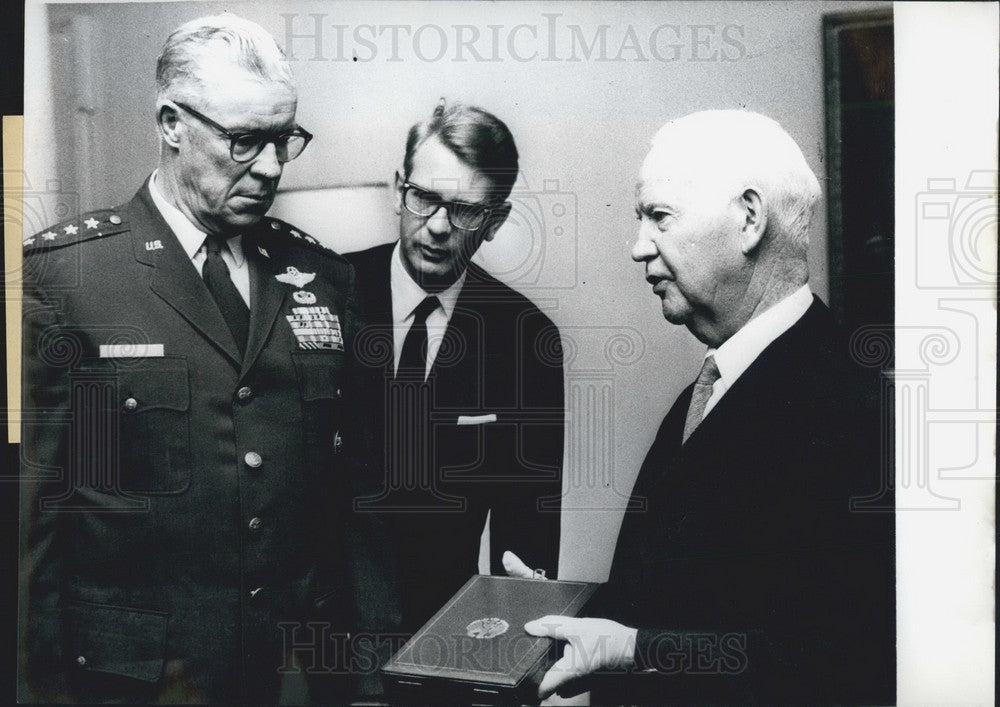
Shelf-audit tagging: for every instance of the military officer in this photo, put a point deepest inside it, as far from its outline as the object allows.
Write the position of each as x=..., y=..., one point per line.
x=184, y=362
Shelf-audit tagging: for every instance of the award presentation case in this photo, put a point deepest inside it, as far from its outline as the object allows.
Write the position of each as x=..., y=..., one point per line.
x=475, y=649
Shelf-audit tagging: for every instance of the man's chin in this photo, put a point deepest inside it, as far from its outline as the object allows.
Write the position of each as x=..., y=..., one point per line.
x=674, y=315
x=246, y=217
x=249, y=207
x=437, y=276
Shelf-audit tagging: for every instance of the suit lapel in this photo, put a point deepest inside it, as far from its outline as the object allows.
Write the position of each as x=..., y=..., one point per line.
x=378, y=304
x=459, y=381
x=175, y=279
x=765, y=386
x=267, y=296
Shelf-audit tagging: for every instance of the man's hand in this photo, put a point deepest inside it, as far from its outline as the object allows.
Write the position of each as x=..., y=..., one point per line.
x=593, y=644
x=513, y=566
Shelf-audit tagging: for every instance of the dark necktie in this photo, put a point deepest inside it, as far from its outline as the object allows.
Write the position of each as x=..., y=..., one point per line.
x=220, y=284
x=702, y=392
x=413, y=359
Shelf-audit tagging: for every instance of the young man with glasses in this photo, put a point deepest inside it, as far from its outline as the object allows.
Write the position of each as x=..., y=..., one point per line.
x=468, y=420
x=180, y=460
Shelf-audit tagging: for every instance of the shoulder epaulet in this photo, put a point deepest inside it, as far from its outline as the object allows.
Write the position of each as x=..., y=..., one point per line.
x=79, y=229
x=276, y=228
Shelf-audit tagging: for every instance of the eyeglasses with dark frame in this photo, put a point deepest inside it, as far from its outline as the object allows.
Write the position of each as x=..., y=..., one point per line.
x=245, y=146
x=461, y=214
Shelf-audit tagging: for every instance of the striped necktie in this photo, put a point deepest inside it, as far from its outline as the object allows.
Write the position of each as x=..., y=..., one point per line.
x=702, y=392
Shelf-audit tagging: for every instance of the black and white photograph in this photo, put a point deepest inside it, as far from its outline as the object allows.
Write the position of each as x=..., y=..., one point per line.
x=506, y=352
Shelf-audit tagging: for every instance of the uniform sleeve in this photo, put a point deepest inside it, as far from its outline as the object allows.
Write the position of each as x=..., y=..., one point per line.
x=525, y=517
x=374, y=591
x=44, y=479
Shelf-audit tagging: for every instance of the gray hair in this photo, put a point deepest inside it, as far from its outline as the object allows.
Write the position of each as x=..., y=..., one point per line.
x=739, y=149
x=246, y=44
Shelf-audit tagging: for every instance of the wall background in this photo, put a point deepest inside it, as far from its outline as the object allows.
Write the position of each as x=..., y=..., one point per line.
x=582, y=115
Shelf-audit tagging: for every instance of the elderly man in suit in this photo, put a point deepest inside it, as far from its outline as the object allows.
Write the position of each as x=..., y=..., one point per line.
x=754, y=573
x=184, y=358
x=468, y=417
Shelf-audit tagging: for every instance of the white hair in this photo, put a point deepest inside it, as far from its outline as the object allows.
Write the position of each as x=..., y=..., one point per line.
x=738, y=149
x=200, y=44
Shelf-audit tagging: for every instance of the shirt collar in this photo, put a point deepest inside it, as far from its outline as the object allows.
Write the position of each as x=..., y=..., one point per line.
x=740, y=350
x=190, y=236
x=407, y=294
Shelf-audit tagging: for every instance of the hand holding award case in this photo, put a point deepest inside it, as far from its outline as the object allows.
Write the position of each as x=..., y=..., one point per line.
x=475, y=650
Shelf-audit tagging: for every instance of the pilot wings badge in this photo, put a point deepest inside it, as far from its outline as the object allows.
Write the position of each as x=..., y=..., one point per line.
x=292, y=276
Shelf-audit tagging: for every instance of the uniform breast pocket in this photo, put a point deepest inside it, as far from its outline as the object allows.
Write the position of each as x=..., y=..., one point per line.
x=114, y=640
x=320, y=379
x=154, y=398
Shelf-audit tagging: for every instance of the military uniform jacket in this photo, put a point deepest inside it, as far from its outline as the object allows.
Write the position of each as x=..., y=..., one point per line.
x=483, y=435
x=177, y=499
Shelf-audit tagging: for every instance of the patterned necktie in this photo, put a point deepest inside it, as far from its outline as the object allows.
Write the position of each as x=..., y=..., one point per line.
x=702, y=392
x=413, y=359
x=220, y=285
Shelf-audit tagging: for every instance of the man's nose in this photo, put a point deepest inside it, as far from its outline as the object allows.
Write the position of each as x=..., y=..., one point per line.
x=266, y=164
x=438, y=223
x=644, y=248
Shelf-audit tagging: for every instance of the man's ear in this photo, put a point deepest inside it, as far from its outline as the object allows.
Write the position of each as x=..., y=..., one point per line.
x=755, y=220
x=168, y=123
x=498, y=215
x=397, y=199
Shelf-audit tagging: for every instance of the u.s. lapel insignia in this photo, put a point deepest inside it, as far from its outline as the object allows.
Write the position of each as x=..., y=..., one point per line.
x=316, y=328
x=292, y=276
x=304, y=297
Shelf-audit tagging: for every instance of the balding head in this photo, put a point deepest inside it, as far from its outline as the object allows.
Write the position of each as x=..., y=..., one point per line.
x=724, y=203
x=206, y=50
x=733, y=150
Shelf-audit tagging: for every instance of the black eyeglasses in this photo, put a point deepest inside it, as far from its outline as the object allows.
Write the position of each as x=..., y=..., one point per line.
x=245, y=146
x=461, y=214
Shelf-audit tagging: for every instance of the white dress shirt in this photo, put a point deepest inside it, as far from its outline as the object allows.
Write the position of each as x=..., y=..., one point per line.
x=192, y=240
x=740, y=350
x=406, y=297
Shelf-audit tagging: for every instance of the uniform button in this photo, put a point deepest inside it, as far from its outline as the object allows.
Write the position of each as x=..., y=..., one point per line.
x=255, y=523
x=255, y=592
x=80, y=660
x=131, y=404
x=338, y=442
x=253, y=460
x=275, y=225
x=115, y=219
x=339, y=394
x=244, y=393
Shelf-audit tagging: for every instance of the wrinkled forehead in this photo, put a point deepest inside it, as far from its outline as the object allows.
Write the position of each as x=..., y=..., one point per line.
x=665, y=169
x=230, y=93
x=685, y=166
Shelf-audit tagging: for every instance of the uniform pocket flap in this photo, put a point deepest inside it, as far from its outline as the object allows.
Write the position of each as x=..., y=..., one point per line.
x=319, y=374
x=118, y=640
x=155, y=384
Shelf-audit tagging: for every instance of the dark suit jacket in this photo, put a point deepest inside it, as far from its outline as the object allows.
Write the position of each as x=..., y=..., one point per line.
x=159, y=553
x=434, y=481
x=761, y=569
